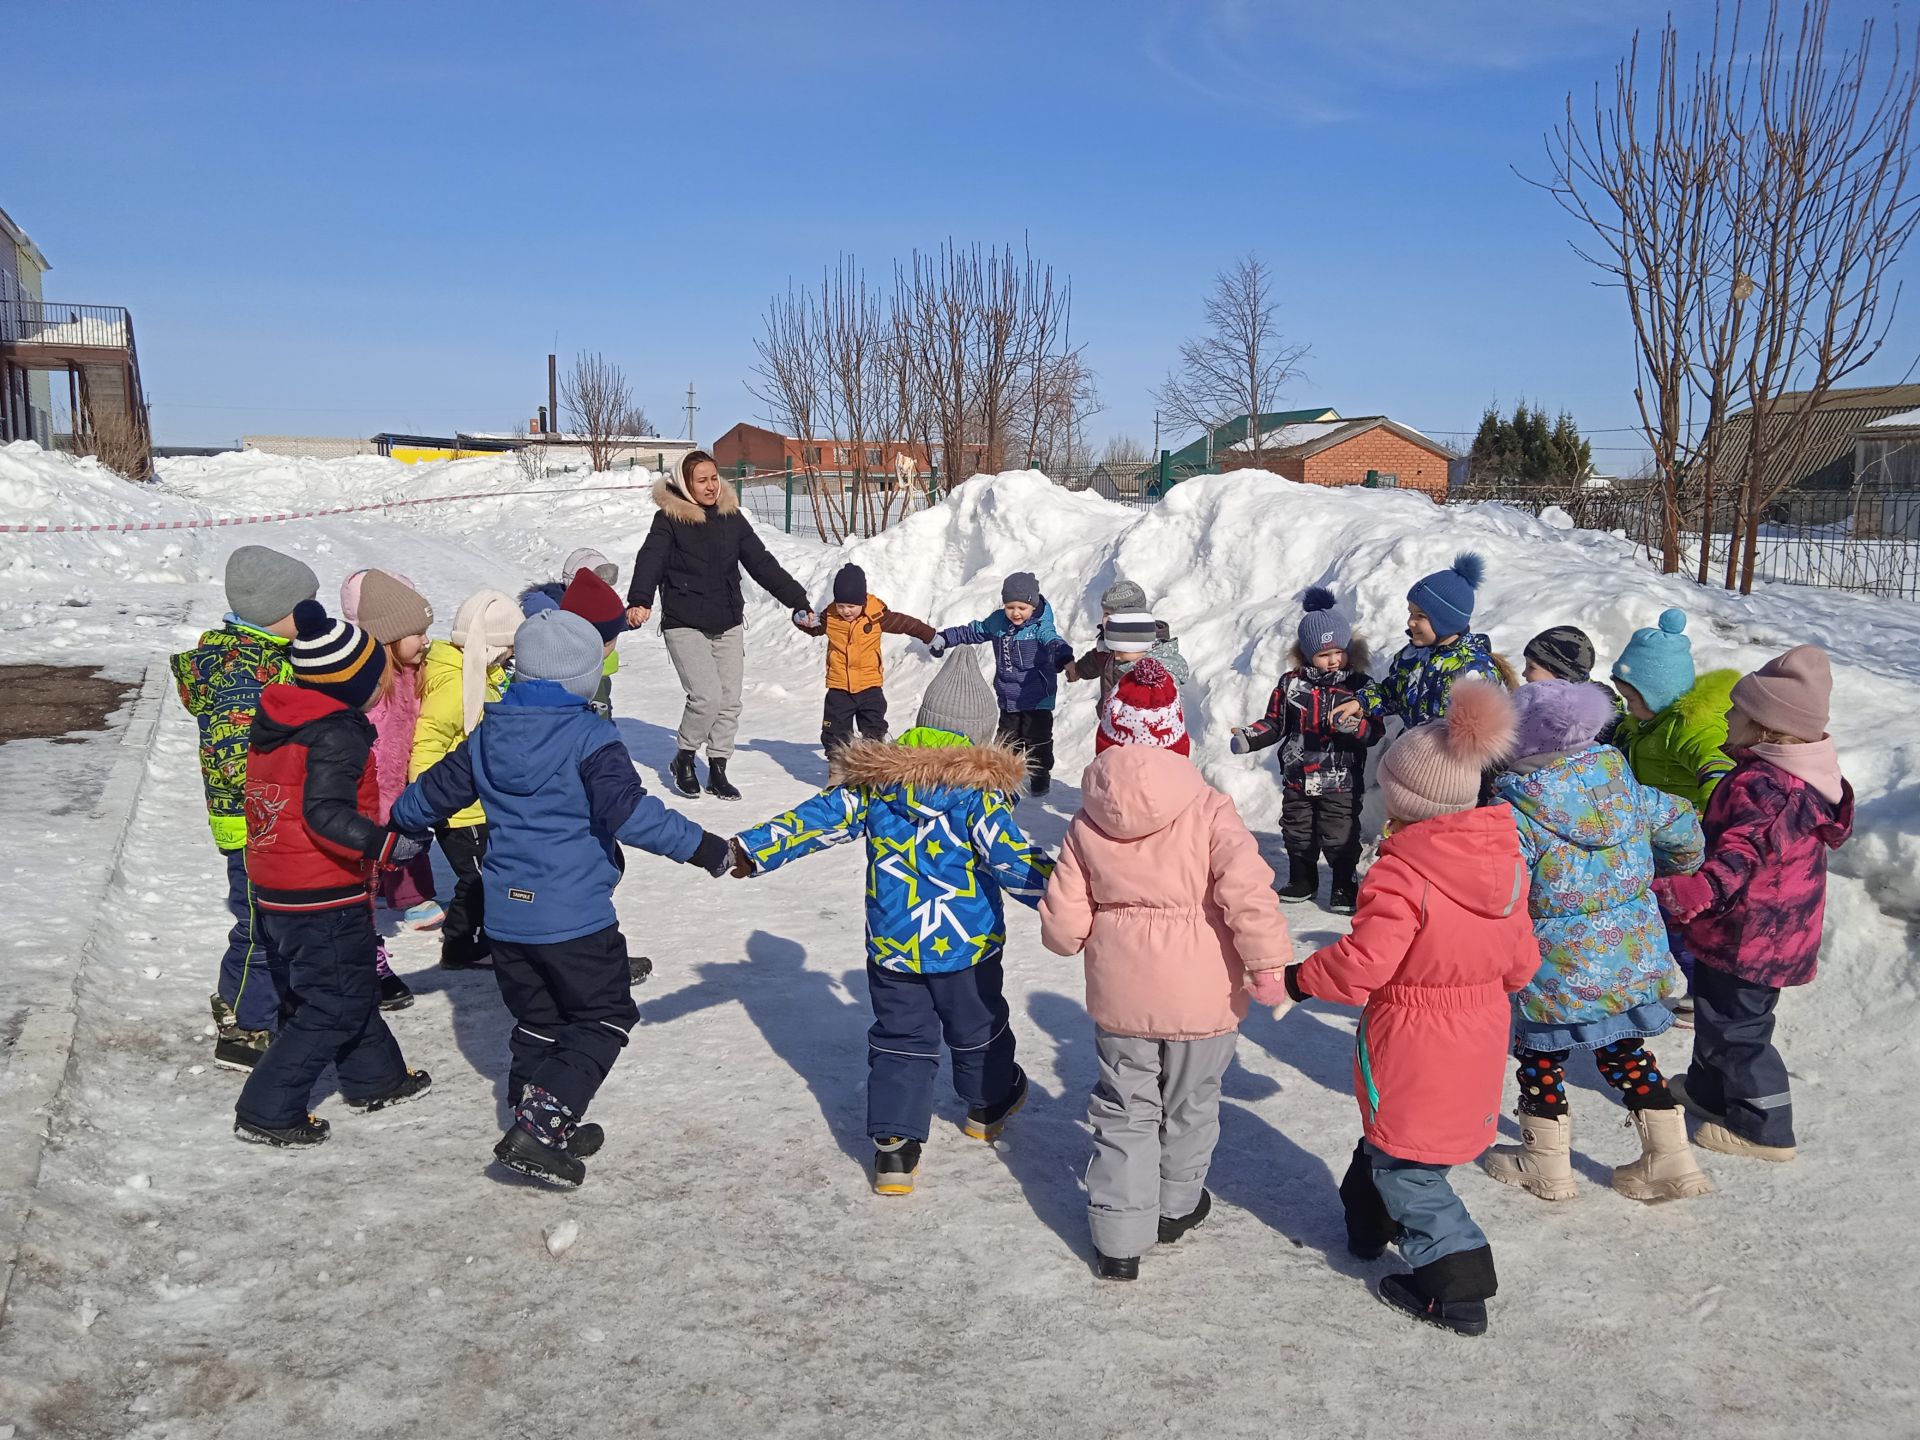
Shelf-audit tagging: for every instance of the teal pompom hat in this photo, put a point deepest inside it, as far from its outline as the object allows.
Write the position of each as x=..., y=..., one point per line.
x=1659, y=662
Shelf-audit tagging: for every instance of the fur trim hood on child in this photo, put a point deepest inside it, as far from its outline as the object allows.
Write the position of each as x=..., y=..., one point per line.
x=883, y=764
x=1359, y=656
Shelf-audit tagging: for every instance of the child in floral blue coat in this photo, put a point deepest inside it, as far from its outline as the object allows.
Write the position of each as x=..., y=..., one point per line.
x=1594, y=838
x=936, y=810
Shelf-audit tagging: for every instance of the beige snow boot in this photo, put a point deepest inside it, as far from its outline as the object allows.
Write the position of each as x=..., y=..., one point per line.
x=1666, y=1169
x=1714, y=1136
x=1541, y=1163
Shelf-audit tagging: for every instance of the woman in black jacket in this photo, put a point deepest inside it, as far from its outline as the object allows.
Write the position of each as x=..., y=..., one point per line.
x=693, y=556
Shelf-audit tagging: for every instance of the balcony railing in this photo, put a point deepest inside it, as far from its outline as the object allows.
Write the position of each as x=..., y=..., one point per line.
x=45, y=322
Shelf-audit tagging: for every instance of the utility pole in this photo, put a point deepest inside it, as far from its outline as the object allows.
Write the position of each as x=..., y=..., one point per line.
x=1156, y=432
x=553, y=391
x=691, y=407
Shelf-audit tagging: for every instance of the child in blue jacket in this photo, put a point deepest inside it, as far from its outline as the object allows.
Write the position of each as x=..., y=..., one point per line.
x=1440, y=652
x=559, y=791
x=942, y=844
x=1028, y=656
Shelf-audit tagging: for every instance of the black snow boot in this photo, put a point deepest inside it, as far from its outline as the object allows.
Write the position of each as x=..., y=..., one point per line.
x=639, y=967
x=1343, y=897
x=1039, y=783
x=587, y=1140
x=896, y=1164
x=686, y=775
x=1116, y=1267
x=717, y=783
x=395, y=993
x=1452, y=1292
x=985, y=1122
x=237, y=1049
x=1303, y=879
x=1172, y=1227
x=310, y=1131
x=411, y=1086
x=524, y=1155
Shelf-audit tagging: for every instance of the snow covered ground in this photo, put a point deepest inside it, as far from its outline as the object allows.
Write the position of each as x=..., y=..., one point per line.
x=733, y=1274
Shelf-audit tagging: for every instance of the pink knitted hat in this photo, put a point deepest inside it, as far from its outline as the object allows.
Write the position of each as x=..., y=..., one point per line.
x=1791, y=693
x=1435, y=769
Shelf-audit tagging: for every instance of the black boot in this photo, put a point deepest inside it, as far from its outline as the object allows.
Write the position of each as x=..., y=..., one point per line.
x=686, y=775
x=1303, y=879
x=587, y=1140
x=1343, y=897
x=985, y=1122
x=896, y=1162
x=639, y=967
x=237, y=1049
x=310, y=1131
x=1369, y=1228
x=1451, y=1292
x=1040, y=782
x=465, y=952
x=1116, y=1267
x=1172, y=1227
x=411, y=1086
x=524, y=1155
x=395, y=993
x=717, y=783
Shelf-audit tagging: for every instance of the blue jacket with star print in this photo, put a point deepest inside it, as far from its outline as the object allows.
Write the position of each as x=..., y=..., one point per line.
x=942, y=844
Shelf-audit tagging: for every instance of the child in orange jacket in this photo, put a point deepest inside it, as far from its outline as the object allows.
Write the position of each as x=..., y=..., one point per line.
x=853, y=625
x=1441, y=939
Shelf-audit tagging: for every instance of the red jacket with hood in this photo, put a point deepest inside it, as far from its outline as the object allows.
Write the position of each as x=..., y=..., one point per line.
x=312, y=793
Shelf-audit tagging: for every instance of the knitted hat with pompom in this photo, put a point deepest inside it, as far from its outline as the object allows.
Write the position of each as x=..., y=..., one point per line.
x=1446, y=596
x=1322, y=627
x=1144, y=709
x=1658, y=662
x=1435, y=769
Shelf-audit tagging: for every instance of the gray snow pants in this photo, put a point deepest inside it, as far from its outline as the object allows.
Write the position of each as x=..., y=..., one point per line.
x=710, y=667
x=1156, y=1118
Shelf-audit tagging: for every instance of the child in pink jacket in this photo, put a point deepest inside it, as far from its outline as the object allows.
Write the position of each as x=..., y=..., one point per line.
x=396, y=615
x=1160, y=884
x=1441, y=939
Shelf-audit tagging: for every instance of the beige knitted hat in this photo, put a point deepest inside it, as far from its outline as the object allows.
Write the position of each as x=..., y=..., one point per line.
x=1435, y=769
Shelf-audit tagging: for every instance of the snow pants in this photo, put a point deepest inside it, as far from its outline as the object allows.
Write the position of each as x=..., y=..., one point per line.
x=1406, y=1202
x=572, y=1007
x=334, y=1018
x=250, y=970
x=1031, y=731
x=912, y=1014
x=1316, y=825
x=1156, y=1118
x=463, y=935
x=1736, y=1070
x=711, y=666
x=844, y=709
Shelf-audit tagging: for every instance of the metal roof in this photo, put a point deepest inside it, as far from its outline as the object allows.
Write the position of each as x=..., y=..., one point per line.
x=1235, y=430
x=1297, y=442
x=1841, y=417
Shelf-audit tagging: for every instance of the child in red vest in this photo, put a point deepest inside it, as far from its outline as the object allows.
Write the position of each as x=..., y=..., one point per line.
x=312, y=846
x=1441, y=939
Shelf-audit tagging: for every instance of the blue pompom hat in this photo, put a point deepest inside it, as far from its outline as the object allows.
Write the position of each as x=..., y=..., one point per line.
x=1659, y=662
x=1447, y=595
x=1322, y=627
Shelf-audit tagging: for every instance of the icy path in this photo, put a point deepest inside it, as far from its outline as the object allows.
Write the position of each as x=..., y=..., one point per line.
x=734, y=1275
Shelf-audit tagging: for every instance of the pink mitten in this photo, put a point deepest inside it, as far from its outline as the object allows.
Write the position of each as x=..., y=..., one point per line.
x=1269, y=987
x=1683, y=896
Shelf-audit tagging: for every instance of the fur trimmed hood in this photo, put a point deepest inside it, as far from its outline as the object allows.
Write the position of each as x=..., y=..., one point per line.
x=881, y=764
x=678, y=505
x=1359, y=656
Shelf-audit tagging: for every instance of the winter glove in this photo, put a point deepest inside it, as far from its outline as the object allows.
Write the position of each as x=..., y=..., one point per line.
x=743, y=865
x=711, y=855
x=937, y=647
x=1682, y=897
x=1239, y=744
x=1348, y=724
x=806, y=619
x=405, y=848
x=1269, y=987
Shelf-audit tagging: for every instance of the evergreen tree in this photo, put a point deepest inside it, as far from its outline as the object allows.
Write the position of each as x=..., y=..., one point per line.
x=1525, y=448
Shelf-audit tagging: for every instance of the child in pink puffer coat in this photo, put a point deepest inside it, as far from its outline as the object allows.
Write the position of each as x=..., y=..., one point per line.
x=396, y=615
x=1753, y=913
x=1160, y=884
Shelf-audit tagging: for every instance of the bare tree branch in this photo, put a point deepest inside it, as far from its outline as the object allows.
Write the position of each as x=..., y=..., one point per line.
x=1241, y=365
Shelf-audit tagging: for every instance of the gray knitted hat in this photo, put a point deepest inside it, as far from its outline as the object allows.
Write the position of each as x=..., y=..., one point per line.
x=1020, y=586
x=560, y=646
x=263, y=585
x=1123, y=595
x=960, y=701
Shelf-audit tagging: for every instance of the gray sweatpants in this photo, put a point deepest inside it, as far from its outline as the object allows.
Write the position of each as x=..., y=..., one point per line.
x=1156, y=1118
x=710, y=667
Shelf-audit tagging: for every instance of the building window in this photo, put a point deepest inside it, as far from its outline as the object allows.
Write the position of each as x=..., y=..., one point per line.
x=811, y=456
x=874, y=462
x=840, y=455
x=1383, y=479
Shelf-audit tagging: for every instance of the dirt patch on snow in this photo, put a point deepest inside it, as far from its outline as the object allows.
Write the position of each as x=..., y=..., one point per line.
x=62, y=703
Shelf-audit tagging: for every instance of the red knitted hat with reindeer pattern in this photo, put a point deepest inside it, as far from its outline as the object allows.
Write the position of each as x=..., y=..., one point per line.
x=1144, y=709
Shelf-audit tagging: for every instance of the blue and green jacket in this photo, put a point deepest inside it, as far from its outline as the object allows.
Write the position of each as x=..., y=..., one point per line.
x=1421, y=677
x=220, y=681
x=1027, y=659
x=942, y=844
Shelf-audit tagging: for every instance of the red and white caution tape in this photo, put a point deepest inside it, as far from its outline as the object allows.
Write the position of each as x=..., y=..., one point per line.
x=215, y=524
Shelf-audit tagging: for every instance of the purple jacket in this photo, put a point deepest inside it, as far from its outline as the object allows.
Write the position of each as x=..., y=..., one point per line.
x=1768, y=834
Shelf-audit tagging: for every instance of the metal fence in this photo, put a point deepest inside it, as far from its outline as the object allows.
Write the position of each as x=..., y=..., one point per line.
x=47, y=322
x=831, y=504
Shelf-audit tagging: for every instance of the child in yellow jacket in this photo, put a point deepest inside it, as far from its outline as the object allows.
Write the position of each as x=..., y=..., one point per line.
x=853, y=625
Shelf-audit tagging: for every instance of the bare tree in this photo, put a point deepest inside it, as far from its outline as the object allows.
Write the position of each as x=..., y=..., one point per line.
x=1124, y=451
x=1240, y=366
x=634, y=422
x=595, y=394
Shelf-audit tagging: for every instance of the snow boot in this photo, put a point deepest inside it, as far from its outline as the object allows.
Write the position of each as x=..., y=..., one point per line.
x=1116, y=1267
x=639, y=967
x=471, y=953
x=310, y=1131
x=1039, y=783
x=686, y=775
x=1541, y=1163
x=427, y=915
x=223, y=1015
x=1172, y=1227
x=410, y=1086
x=896, y=1163
x=1451, y=1292
x=1666, y=1169
x=524, y=1155
x=1343, y=896
x=237, y=1049
x=1677, y=1087
x=394, y=992
x=1717, y=1137
x=587, y=1140
x=1303, y=879
x=985, y=1122
x=718, y=785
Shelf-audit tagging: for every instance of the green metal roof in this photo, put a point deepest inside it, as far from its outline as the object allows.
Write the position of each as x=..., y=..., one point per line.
x=1234, y=431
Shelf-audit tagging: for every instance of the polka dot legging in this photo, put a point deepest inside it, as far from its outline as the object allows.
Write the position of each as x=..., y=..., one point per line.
x=1627, y=1065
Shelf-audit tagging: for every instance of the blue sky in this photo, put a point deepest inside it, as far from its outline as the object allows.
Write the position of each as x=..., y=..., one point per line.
x=346, y=218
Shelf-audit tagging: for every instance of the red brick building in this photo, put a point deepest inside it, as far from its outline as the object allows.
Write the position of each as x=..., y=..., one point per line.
x=768, y=451
x=1345, y=452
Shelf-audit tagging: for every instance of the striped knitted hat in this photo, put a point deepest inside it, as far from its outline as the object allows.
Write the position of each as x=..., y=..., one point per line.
x=333, y=657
